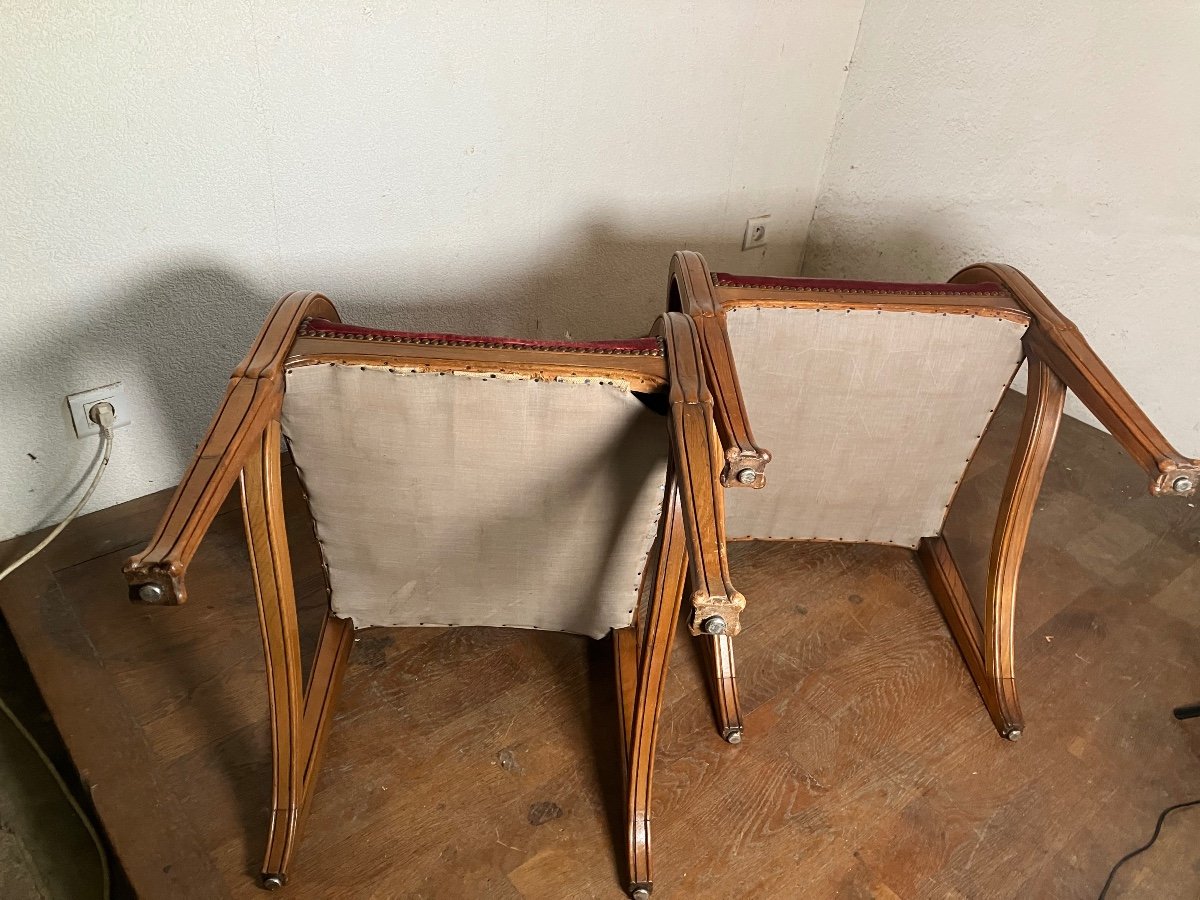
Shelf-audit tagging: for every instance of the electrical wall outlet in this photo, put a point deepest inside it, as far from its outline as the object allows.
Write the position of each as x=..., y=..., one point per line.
x=80, y=404
x=756, y=233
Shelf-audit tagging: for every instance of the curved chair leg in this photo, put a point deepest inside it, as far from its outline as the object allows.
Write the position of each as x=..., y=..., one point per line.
x=262, y=508
x=717, y=651
x=299, y=719
x=320, y=698
x=1043, y=411
x=987, y=648
x=625, y=664
x=653, y=655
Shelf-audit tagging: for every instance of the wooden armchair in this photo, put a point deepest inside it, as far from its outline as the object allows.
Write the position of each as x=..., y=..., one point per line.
x=873, y=398
x=461, y=481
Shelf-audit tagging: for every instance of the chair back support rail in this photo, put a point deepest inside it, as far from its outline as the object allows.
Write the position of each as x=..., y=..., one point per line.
x=568, y=438
x=1064, y=349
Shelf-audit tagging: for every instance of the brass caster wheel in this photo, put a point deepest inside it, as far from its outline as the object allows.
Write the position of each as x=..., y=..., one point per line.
x=273, y=882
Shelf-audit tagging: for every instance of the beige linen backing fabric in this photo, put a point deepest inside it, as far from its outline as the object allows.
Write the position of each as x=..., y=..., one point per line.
x=464, y=499
x=870, y=417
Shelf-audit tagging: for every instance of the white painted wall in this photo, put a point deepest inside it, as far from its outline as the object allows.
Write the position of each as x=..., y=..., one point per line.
x=521, y=168
x=1063, y=138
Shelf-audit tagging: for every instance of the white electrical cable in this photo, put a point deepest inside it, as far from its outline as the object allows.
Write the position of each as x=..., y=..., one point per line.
x=104, y=416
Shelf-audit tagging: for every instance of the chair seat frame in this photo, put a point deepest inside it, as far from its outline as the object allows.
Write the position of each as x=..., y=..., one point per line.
x=243, y=444
x=1059, y=359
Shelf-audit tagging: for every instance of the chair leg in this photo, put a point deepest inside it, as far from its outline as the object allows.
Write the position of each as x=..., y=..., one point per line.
x=1045, y=396
x=988, y=647
x=950, y=591
x=654, y=653
x=324, y=687
x=298, y=720
x=717, y=651
x=625, y=663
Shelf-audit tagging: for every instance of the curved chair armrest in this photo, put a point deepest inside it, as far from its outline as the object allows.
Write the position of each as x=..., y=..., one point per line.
x=697, y=454
x=691, y=293
x=252, y=400
x=1057, y=341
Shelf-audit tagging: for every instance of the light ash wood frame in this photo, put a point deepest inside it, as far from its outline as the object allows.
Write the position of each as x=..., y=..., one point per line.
x=1059, y=359
x=243, y=443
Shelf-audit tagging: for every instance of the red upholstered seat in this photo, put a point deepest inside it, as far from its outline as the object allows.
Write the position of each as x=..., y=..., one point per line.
x=649, y=346
x=833, y=285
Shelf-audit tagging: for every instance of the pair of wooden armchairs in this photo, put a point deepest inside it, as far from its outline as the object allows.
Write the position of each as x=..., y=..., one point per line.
x=580, y=487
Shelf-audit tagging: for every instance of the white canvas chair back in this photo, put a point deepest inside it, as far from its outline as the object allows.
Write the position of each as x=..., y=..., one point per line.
x=877, y=413
x=470, y=498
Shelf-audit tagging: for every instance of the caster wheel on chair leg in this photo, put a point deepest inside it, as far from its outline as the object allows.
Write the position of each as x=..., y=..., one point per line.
x=273, y=882
x=1013, y=734
x=640, y=892
x=733, y=735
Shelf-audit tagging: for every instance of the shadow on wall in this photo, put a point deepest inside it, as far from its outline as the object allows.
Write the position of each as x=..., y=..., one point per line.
x=175, y=333
x=161, y=333
x=909, y=245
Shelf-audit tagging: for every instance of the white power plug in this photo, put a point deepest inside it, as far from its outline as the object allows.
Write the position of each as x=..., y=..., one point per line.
x=102, y=414
x=82, y=404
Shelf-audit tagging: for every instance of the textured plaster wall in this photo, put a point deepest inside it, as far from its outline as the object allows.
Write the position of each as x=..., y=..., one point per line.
x=523, y=168
x=1059, y=137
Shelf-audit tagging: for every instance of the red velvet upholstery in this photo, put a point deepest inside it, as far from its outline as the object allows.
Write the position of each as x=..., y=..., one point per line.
x=649, y=346
x=832, y=285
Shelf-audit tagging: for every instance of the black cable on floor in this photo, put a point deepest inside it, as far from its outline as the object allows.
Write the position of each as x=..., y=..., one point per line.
x=1150, y=843
x=66, y=792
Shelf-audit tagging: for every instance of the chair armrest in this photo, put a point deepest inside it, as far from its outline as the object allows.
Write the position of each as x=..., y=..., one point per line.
x=691, y=293
x=252, y=400
x=1057, y=341
x=697, y=460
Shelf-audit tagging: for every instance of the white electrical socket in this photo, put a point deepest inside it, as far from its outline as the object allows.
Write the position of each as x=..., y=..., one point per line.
x=80, y=404
x=756, y=233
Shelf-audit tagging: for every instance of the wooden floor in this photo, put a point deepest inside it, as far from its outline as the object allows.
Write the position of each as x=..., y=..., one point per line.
x=473, y=763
